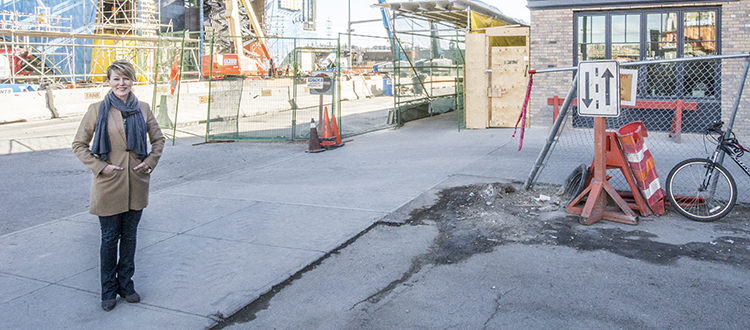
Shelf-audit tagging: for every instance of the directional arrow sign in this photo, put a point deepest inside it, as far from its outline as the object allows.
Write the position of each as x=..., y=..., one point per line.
x=607, y=92
x=587, y=99
x=599, y=89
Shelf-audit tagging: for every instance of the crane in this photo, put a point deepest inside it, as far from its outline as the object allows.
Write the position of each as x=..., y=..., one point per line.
x=237, y=63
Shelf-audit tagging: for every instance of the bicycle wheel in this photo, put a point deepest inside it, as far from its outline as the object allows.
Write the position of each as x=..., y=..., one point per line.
x=694, y=199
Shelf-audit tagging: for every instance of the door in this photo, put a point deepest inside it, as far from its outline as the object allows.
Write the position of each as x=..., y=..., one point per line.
x=508, y=78
x=497, y=63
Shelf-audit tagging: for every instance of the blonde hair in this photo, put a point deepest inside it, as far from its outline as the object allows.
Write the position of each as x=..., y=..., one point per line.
x=123, y=68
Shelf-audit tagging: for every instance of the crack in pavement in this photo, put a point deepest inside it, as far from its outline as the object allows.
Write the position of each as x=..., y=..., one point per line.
x=497, y=308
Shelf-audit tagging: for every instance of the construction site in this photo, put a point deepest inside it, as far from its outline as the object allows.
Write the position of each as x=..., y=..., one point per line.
x=248, y=70
x=445, y=222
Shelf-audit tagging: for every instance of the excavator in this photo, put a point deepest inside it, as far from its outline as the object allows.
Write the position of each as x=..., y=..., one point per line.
x=238, y=63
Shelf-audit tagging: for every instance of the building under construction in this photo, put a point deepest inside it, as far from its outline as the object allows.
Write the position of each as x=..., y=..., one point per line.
x=73, y=41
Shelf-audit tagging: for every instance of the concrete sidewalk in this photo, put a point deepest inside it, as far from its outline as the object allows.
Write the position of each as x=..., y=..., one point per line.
x=207, y=248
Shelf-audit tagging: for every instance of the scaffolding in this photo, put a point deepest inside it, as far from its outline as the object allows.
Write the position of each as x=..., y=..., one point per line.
x=127, y=17
x=45, y=49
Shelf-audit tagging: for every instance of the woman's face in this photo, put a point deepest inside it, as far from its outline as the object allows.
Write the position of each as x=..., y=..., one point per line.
x=120, y=85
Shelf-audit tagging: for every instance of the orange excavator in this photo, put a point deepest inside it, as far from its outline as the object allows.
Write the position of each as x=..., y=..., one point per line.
x=238, y=63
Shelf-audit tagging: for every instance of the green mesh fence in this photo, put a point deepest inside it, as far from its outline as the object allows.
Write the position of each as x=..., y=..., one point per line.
x=267, y=98
x=179, y=93
x=270, y=89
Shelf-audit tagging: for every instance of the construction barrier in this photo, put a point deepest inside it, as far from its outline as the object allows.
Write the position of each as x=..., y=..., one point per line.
x=347, y=90
x=642, y=164
x=24, y=106
x=367, y=87
x=75, y=102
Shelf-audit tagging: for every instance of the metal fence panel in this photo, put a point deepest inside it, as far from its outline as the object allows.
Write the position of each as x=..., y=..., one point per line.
x=274, y=101
x=677, y=100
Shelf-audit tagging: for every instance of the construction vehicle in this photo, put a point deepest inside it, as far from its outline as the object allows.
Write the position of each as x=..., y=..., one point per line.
x=238, y=63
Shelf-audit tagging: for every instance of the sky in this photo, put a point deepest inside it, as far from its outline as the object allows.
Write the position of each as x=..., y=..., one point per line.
x=337, y=11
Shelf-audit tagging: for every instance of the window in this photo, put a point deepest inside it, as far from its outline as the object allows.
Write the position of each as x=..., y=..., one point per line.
x=699, y=33
x=655, y=35
x=648, y=34
x=659, y=34
x=591, y=38
x=661, y=37
x=290, y=4
x=626, y=37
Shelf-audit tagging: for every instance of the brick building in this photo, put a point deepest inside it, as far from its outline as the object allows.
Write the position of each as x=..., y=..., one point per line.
x=565, y=32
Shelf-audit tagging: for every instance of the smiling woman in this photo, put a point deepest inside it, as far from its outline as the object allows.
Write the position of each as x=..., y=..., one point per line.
x=121, y=85
x=121, y=167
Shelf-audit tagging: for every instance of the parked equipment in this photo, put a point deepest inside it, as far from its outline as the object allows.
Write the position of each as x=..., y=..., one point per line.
x=238, y=63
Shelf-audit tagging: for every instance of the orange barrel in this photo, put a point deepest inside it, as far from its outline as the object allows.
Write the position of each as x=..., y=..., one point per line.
x=642, y=164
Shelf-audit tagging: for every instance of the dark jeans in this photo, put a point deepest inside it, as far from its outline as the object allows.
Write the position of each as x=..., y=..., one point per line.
x=116, y=275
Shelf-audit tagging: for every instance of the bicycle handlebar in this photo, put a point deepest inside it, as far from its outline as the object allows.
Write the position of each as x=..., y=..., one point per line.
x=715, y=127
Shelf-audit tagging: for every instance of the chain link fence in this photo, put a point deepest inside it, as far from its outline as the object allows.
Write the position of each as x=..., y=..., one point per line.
x=264, y=93
x=366, y=97
x=676, y=100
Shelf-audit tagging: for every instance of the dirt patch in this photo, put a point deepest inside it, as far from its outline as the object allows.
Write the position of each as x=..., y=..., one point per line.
x=477, y=218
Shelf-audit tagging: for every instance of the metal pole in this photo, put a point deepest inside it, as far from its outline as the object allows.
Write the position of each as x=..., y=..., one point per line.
x=294, y=88
x=201, y=36
x=349, y=34
x=736, y=106
x=542, y=155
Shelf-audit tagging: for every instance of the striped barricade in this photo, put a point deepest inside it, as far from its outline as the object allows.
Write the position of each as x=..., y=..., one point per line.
x=642, y=164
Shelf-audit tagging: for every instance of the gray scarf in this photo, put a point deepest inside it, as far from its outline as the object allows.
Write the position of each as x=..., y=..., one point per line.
x=135, y=130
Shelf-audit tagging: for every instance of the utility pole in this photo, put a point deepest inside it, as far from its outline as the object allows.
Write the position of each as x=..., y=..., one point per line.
x=349, y=33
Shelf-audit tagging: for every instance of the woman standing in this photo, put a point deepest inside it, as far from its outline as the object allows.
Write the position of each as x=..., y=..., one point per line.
x=121, y=165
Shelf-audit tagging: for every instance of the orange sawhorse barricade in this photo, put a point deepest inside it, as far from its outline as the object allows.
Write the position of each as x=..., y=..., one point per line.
x=616, y=159
x=599, y=192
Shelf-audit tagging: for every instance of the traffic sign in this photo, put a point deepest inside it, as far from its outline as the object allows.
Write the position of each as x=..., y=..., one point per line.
x=321, y=83
x=599, y=89
x=315, y=82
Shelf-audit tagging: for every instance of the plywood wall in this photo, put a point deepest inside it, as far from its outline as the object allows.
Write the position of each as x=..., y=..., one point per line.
x=508, y=84
x=476, y=101
x=496, y=78
x=510, y=66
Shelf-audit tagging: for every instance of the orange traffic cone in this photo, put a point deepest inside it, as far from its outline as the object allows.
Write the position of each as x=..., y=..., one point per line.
x=314, y=142
x=325, y=127
x=334, y=142
x=335, y=128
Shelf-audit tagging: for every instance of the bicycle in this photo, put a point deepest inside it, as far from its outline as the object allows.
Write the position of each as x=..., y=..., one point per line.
x=702, y=189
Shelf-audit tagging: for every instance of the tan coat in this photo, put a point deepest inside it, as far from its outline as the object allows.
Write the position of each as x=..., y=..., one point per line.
x=119, y=191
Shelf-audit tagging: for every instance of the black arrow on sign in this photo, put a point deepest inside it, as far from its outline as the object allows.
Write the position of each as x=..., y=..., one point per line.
x=587, y=100
x=607, y=75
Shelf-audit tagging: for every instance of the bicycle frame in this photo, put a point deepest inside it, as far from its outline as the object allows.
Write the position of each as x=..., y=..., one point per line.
x=727, y=145
x=732, y=148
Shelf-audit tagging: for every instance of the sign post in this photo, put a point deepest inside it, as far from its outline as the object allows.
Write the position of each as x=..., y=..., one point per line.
x=321, y=83
x=599, y=97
